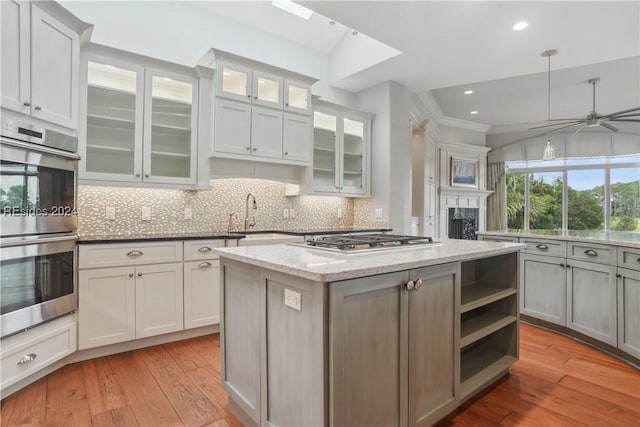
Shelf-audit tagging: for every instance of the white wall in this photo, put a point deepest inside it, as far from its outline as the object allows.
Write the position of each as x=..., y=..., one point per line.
x=390, y=153
x=463, y=136
x=180, y=33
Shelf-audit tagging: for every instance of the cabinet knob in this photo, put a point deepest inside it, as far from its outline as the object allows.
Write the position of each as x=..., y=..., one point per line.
x=27, y=358
x=26, y=103
x=135, y=252
x=137, y=175
x=591, y=252
x=204, y=264
x=139, y=274
x=286, y=105
x=410, y=285
x=248, y=148
x=542, y=247
x=286, y=153
x=248, y=95
x=254, y=149
x=37, y=107
x=130, y=275
x=417, y=285
x=146, y=175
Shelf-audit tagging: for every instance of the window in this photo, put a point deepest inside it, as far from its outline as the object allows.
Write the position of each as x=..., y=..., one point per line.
x=574, y=194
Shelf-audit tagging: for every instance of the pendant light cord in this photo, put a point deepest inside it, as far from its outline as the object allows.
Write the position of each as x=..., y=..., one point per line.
x=549, y=89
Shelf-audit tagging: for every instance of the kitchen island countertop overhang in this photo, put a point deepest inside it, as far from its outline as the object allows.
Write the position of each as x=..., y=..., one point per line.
x=322, y=266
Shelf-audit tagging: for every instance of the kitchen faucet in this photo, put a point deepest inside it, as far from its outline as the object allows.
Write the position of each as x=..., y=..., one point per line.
x=248, y=224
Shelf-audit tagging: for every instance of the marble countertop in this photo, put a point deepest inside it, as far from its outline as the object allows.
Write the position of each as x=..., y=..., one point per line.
x=619, y=238
x=324, y=266
x=136, y=237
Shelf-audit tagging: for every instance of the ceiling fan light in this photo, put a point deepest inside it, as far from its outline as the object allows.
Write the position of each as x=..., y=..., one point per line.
x=549, y=151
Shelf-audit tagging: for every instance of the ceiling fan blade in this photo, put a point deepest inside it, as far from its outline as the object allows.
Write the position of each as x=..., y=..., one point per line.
x=557, y=124
x=579, y=129
x=552, y=131
x=625, y=120
x=623, y=115
x=608, y=126
x=617, y=113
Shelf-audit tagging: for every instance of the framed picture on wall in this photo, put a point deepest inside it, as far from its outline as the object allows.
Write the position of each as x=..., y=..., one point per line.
x=464, y=172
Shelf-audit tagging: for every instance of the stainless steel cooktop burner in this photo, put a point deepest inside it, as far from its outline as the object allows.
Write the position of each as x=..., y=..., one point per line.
x=366, y=242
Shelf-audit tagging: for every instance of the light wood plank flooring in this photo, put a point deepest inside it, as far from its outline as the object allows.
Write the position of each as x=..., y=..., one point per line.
x=557, y=382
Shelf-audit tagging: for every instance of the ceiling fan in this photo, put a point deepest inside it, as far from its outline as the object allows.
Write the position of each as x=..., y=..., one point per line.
x=594, y=118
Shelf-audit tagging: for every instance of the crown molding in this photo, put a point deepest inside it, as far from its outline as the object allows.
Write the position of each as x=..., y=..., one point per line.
x=425, y=101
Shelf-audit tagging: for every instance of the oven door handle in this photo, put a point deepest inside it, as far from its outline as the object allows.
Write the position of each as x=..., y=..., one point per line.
x=40, y=148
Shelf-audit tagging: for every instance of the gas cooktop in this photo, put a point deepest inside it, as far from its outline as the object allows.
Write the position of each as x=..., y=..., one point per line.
x=365, y=242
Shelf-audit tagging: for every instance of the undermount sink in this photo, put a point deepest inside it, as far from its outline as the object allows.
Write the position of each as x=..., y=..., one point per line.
x=255, y=239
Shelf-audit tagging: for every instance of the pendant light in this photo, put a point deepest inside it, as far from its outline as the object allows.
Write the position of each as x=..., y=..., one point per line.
x=549, y=149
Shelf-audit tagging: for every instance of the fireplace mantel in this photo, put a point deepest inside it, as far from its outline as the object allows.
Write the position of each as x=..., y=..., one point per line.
x=461, y=191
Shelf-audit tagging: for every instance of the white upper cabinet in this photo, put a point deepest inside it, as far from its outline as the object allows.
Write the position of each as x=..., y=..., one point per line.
x=40, y=64
x=141, y=123
x=341, y=145
x=261, y=113
x=297, y=97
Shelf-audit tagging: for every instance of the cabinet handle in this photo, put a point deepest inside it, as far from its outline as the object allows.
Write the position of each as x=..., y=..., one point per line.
x=286, y=153
x=248, y=95
x=248, y=148
x=37, y=107
x=417, y=285
x=619, y=276
x=638, y=260
x=130, y=275
x=255, y=97
x=134, y=252
x=139, y=274
x=204, y=249
x=204, y=264
x=410, y=285
x=27, y=358
x=146, y=175
x=137, y=175
x=568, y=266
x=591, y=252
x=562, y=265
x=286, y=105
x=542, y=247
x=255, y=149
x=26, y=103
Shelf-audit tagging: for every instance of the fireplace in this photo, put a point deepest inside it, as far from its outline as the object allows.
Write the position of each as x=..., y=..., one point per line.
x=463, y=223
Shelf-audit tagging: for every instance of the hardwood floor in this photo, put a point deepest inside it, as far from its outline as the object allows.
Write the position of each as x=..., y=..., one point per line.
x=556, y=382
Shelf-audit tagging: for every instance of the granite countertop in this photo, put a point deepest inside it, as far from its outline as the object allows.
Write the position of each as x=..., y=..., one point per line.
x=620, y=238
x=325, y=266
x=136, y=237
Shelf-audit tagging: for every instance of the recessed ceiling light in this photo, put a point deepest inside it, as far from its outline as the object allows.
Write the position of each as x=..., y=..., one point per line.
x=468, y=92
x=520, y=26
x=474, y=112
x=293, y=8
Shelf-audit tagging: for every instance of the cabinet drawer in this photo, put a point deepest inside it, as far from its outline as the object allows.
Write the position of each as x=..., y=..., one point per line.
x=602, y=254
x=119, y=255
x=201, y=249
x=544, y=247
x=27, y=353
x=629, y=258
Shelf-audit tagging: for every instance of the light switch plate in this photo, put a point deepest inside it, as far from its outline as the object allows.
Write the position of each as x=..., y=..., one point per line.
x=378, y=213
x=146, y=213
x=188, y=213
x=292, y=213
x=339, y=213
x=285, y=213
x=293, y=299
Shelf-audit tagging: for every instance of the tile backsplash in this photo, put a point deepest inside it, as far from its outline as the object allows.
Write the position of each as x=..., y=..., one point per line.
x=211, y=208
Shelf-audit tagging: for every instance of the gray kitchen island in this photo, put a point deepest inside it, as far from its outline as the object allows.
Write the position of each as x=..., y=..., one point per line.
x=391, y=337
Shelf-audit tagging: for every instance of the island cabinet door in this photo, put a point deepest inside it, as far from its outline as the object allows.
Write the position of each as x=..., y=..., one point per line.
x=434, y=356
x=544, y=282
x=368, y=351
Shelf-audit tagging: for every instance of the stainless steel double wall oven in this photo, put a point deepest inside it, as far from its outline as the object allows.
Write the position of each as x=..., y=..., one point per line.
x=38, y=225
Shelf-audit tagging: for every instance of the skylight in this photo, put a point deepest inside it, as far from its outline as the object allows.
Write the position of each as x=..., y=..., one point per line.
x=293, y=8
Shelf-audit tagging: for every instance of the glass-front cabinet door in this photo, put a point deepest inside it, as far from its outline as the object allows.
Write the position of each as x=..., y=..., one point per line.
x=267, y=90
x=114, y=121
x=353, y=155
x=233, y=81
x=325, y=143
x=297, y=97
x=170, y=128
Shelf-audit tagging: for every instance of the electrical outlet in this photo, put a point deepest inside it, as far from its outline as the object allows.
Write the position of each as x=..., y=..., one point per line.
x=285, y=214
x=188, y=213
x=146, y=213
x=339, y=213
x=110, y=213
x=293, y=299
x=292, y=213
x=378, y=213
